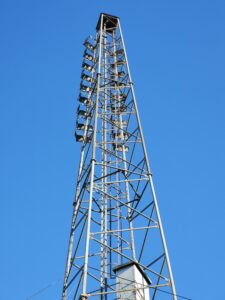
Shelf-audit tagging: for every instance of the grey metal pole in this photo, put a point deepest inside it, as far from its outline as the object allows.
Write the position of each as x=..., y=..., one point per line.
x=150, y=176
x=119, y=244
x=125, y=168
x=92, y=168
x=76, y=206
x=104, y=167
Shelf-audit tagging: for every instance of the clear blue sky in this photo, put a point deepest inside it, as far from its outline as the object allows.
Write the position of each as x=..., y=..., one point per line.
x=176, y=51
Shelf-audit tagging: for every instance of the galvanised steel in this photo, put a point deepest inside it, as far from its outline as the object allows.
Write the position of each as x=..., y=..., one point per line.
x=116, y=218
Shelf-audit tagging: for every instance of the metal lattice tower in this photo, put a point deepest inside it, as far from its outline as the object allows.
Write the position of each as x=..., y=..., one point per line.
x=117, y=248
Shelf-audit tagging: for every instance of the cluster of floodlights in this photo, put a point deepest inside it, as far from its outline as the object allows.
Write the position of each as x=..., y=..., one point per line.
x=83, y=129
x=118, y=104
x=119, y=137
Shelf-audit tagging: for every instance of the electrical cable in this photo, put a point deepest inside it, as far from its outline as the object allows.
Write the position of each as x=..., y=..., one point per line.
x=178, y=296
x=43, y=289
x=55, y=282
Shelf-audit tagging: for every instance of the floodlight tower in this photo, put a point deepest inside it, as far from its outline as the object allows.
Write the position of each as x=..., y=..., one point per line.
x=117, y=248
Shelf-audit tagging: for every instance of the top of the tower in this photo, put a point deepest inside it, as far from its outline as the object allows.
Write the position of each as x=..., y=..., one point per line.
x=110, y=21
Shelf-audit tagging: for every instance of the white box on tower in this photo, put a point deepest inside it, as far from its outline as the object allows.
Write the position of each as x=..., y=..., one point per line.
x=131, y=282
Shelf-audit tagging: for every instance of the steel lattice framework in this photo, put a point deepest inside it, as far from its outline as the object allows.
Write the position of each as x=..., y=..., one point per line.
x=116, y=218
